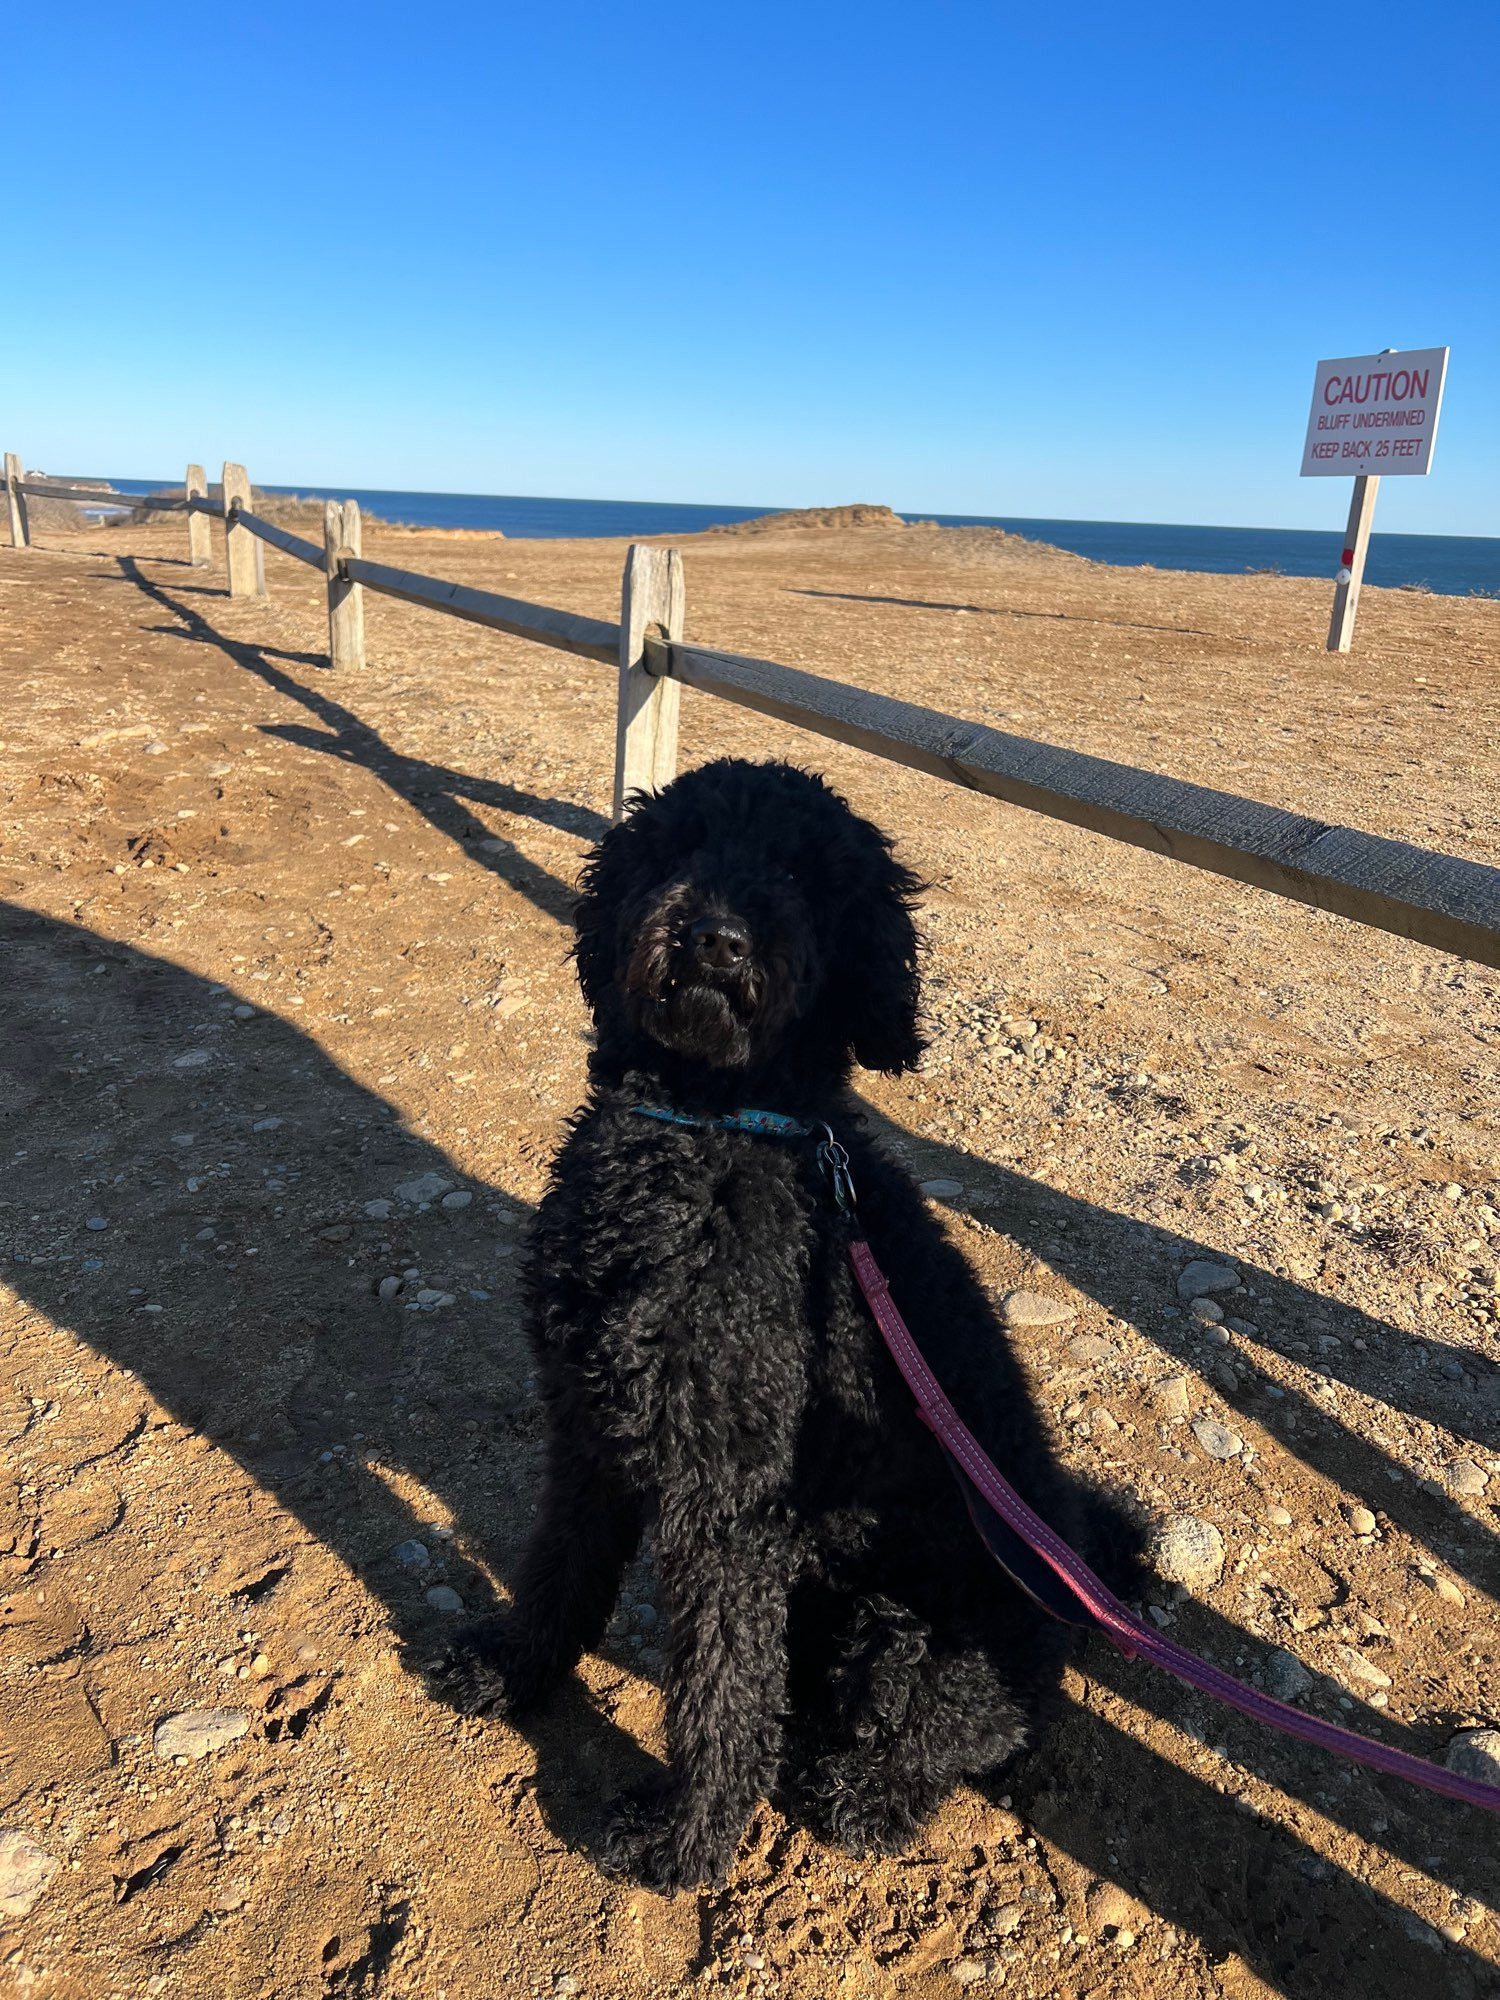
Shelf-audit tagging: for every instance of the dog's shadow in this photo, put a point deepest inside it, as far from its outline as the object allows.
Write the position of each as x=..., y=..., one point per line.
x=231, y=1164
x=132, y=1078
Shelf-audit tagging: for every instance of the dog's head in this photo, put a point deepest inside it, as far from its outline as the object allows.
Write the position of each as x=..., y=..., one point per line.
x=745, y=913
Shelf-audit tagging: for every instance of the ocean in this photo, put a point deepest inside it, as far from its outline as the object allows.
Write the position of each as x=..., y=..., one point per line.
x=1451, y=565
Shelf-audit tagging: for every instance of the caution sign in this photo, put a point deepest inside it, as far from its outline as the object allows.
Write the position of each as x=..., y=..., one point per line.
x=1375, y=413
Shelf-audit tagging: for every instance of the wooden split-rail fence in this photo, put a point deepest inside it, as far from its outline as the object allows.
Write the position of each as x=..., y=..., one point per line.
x=1435, y=899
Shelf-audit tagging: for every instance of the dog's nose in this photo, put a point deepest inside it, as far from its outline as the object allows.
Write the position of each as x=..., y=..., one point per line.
x=720, y=942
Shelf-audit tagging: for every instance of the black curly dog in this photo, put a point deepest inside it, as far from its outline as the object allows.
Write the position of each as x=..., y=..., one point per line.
x=709, y=1368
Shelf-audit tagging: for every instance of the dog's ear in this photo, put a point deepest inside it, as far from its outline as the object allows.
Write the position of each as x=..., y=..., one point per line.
x=603, y=887
x=877, y=971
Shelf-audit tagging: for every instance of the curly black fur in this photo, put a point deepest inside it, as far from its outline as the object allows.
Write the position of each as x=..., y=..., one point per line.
x=709, y=1367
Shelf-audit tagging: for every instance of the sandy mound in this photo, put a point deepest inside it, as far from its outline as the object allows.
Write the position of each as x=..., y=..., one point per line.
x=858, y=516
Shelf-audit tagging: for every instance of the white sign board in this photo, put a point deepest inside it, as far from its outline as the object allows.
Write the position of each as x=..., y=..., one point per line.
x=1375, y=413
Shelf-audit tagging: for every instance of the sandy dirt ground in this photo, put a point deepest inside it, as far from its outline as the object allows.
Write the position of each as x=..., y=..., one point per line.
x=288, y=1034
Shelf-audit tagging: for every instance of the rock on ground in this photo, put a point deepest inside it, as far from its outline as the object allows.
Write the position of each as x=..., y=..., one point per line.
x=1201, y=1277
x=1475, y=1753
x=1188, y=1551
x=1034, y=1309
x=1286, y=1677
x=25, y=1870
x=1217, y=1439
x=199, y=1731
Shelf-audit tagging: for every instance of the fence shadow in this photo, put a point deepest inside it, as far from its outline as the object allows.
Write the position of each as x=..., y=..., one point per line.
x=442, y=796
x=1001, y=611
x=1109, y=1256
x=286, y=1361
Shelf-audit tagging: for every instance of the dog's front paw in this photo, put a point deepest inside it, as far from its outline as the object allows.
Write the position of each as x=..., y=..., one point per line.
x=483, y=1671
x=651, y=1841
x=853, y=1804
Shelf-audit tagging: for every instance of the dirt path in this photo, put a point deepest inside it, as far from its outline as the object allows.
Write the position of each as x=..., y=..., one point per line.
x=288, y=1035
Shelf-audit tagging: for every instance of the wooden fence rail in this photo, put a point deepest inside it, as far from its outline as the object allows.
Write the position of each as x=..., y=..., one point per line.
x=1412, y=892
x=56, y=489
x=591, y=638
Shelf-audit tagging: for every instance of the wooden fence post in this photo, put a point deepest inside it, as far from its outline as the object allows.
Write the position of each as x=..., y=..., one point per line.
x=247, y=562
x=15, y=501
x=1352, y=567
x=652, y=602
x=195, y=487
x=346, y=601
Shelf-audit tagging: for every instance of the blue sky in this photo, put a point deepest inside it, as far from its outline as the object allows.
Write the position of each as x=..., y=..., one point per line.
x=962, y=257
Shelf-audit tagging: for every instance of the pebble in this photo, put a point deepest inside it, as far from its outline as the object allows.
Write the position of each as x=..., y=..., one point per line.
x=1216, y=1336
x=1361, y=1669
x=389, y=1288
x=413, y=1553
x=1463, y=1477
x=425, y=1187
x=1475, y=1753
x=430, y=1296
x=198, y=1731
x=1246, y=1328
x=1286, y=1677
x=25, y=1870
x=1360, y=1519
x=1216, y=1439
x=1088, y=1348
x=968, y=1971
x=1006, y=1919
x=1188, y=1551
x=1207, y=1312
x=1278, y=1517
x=1443, y=1586
x=567, y=1982
x=460, y=1198
x=244, y=1012
x=1201, y=1276
x=1032, y=1309
x=194, y=1059
x=942, y=1190
x=96, y=1222
x=267, y=1125
x=379, y=1211
x=1171, y=1396
x=442, y=1598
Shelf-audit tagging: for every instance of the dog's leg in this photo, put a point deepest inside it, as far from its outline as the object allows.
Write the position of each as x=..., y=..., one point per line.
x=916, y=1715
x=725, y=1594
x=569, y=1579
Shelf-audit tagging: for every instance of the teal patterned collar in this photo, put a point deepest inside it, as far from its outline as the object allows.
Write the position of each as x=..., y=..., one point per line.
x=769, y=1124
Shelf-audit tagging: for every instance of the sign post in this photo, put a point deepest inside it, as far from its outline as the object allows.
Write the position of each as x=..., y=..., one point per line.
x=1373, y=415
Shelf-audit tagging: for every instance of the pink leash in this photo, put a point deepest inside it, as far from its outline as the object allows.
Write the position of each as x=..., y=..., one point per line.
x=1129, y=1633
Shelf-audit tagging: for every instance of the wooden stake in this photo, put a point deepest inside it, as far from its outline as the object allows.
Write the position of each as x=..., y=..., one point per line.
x=652, y=603
x=195, y=487
x=346, y=601
x=15, y=501
x=247, y=563
x=1352, y=567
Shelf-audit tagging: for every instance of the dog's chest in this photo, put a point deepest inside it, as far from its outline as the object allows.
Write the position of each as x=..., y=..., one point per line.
x=689, y=1262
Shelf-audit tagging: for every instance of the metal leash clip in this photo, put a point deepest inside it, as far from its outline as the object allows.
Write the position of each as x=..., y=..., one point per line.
x=834, y=1162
